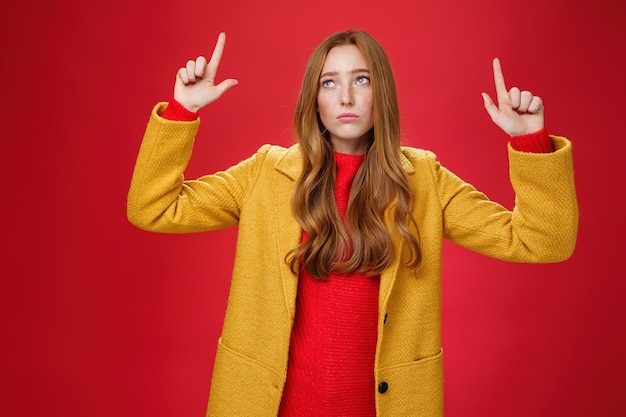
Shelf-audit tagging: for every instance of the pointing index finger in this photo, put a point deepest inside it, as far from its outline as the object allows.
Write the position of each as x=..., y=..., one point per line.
x=498, y=77
x=216, y=56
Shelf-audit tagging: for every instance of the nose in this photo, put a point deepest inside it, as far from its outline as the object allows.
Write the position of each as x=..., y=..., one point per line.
x=347, y=98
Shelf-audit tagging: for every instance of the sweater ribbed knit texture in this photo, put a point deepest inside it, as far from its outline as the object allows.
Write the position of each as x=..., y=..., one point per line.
x=333, y=340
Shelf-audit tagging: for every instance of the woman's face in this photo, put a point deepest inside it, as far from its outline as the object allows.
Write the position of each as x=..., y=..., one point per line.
x=344, y=99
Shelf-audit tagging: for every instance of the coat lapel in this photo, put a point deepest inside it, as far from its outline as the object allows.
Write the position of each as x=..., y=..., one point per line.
x=389, y=275
x=289, y=231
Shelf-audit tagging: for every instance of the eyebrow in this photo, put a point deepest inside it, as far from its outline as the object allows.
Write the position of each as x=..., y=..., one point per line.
x=354, y=71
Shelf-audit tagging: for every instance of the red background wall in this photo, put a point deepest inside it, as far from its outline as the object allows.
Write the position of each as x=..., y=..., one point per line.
x=101, y=319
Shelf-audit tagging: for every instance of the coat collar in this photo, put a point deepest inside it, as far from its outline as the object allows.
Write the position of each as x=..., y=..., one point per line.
x=290, y=163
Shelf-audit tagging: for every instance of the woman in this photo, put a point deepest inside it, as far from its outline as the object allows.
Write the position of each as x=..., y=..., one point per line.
x=334, y=307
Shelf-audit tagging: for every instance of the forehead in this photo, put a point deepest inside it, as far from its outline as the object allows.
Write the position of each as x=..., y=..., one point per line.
x=344, y=57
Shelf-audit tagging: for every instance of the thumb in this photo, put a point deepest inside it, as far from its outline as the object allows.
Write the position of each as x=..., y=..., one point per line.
x=226, y=85
x=490, y=106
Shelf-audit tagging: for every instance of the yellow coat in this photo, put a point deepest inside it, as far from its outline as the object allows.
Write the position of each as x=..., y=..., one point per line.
x=251, y=362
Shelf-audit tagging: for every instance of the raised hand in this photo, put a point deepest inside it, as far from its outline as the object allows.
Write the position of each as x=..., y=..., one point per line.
x=195, y=83
x=517, y=112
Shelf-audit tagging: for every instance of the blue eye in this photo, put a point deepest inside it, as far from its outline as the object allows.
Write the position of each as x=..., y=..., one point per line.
x=362, y=80
x=328, y=83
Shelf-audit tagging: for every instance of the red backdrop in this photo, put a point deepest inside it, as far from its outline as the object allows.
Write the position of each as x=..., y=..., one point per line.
x=102, y=319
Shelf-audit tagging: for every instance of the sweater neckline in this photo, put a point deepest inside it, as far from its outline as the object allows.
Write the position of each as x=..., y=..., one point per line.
x=348, y=164
x=348, y=156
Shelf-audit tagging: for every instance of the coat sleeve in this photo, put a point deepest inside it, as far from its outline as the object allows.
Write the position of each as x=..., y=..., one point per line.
x=543, y=225
x=161, y=200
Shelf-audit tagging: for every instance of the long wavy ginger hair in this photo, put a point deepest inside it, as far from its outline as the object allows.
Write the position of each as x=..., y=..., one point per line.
x=361, y=243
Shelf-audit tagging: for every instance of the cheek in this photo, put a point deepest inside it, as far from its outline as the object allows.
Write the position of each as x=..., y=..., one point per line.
x=323, y=108
x=368, y=104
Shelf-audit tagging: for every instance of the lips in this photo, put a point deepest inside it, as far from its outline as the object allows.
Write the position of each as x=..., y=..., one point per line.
x=346, y=117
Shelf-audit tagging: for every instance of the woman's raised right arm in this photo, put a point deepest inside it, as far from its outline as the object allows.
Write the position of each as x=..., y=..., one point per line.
x=159, y=198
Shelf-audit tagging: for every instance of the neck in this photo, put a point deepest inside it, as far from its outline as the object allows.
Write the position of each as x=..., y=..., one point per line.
x=354, y=147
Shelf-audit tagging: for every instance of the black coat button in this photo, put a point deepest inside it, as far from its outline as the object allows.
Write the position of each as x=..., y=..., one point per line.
x=383, y=387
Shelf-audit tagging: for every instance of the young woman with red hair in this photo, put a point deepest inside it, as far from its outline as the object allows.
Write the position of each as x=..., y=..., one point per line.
x=334, y=307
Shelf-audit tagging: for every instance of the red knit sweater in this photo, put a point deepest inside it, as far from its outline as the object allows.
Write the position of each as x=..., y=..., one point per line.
x=333, y=339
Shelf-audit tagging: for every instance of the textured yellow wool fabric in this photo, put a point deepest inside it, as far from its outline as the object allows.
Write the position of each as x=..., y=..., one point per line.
x=251, y=361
